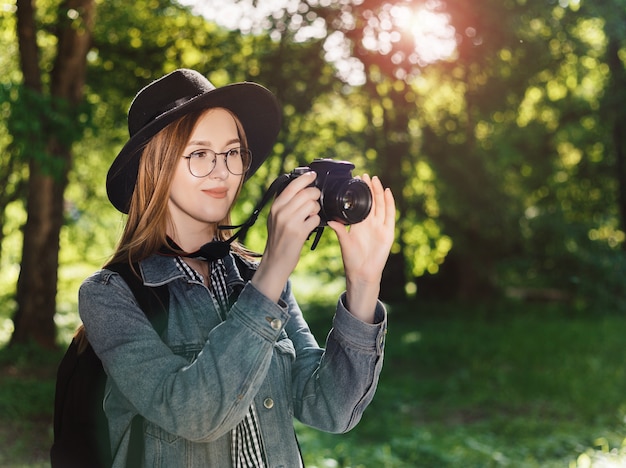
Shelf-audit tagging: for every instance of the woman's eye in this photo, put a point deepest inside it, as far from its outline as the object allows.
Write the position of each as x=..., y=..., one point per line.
x=200, y=154
x=233, y=152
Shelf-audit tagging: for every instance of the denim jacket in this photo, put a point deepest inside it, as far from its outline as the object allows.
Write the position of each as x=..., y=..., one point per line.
x=196, y=382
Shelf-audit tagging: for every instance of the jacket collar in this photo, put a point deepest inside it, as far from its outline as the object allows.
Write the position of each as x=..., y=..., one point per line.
x=157, y=270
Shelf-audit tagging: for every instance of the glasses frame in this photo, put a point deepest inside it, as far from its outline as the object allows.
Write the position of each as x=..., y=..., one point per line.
x=245, y=154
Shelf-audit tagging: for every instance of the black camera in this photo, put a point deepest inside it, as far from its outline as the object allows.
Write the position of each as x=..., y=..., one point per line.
x=344, y=198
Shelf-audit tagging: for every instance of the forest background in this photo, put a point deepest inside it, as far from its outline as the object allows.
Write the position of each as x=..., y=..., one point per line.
x=499, y=125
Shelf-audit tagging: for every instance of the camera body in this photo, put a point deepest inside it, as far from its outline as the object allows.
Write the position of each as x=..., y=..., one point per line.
x=343, y=199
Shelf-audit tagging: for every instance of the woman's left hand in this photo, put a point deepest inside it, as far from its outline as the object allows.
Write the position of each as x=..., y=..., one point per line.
x=365, y=247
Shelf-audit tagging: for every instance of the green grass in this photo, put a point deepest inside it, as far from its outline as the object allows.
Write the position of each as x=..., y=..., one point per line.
x=509, y=385
x=27, y=379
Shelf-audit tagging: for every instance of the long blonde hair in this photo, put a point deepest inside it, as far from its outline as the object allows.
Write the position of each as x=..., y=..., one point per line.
x=148, y=215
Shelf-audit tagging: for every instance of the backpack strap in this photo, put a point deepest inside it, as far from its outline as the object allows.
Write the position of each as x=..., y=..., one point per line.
x=246, y=271
x=154, y=302
x=246, y=268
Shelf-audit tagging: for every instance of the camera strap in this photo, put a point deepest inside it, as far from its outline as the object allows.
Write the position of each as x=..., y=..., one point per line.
x=275, y=188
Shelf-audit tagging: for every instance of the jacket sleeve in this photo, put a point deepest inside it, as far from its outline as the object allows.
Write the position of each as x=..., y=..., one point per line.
x=201, y=400
x=333, y=386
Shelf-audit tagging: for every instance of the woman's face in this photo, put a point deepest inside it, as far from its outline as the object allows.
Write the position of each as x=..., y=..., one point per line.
x=196, y=204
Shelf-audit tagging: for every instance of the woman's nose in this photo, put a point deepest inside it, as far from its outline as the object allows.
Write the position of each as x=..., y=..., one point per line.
x=220, y=171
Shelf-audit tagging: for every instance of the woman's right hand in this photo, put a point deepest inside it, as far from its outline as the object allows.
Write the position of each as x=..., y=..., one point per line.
x=292, y=218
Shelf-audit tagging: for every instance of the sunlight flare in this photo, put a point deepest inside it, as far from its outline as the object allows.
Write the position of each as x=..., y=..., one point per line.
x=433, y=35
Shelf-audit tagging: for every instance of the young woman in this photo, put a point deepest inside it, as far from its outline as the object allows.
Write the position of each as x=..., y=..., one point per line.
x=222, y=383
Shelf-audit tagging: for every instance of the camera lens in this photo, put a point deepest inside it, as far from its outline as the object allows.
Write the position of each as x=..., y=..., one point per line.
x=348, y=203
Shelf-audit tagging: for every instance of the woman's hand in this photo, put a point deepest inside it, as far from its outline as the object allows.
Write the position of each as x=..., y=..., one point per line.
x=292, y=218
x=365, y=248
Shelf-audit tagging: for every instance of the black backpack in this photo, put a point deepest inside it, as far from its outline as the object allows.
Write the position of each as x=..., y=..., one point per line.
x=81, y=435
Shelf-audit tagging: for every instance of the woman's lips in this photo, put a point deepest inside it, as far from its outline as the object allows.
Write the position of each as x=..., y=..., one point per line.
x=216, y=192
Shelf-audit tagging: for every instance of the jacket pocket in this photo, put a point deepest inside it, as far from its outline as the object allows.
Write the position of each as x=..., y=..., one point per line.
x=155, y=432
x=162, y=449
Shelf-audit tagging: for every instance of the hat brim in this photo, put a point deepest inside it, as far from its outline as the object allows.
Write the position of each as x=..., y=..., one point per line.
x=255, y=106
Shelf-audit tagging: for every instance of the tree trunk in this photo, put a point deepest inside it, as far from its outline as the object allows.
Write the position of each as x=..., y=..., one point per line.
x=617, y=115
x=37, y=283
x=27, y=40
x=392, y=286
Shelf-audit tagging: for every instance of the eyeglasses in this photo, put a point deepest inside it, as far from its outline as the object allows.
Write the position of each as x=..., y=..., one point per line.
x=202, y=162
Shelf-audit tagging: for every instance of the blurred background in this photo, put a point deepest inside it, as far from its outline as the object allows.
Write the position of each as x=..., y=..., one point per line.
x=500, y=126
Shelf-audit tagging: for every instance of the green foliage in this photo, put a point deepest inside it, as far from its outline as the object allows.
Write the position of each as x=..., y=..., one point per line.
x=27, y=380
x=34, y=118
x=571, y=257
x=21, y=395
x=10, y=53
x=511, y=126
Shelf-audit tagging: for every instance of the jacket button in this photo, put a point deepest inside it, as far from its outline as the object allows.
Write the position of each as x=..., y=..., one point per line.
x=268, y=403
x=276, y=324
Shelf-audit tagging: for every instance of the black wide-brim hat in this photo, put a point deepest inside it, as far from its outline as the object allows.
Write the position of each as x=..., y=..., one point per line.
x=178, y=93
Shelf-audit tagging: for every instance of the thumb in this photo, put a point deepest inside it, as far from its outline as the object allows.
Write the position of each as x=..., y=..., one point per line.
x=340, y=229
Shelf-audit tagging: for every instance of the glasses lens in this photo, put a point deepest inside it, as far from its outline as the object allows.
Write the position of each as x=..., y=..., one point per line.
x=238, y=160
x=201, y=163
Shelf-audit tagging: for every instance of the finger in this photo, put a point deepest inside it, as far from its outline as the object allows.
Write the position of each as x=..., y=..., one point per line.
x=310, y=224
x=299, y=214
x=390, y=208
x=299, y=183
x=303, y=206
x=368, y=181
x=378, y=196
x=339, y=228
x=377, y=191
x=310, y=209
x=299, y=198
